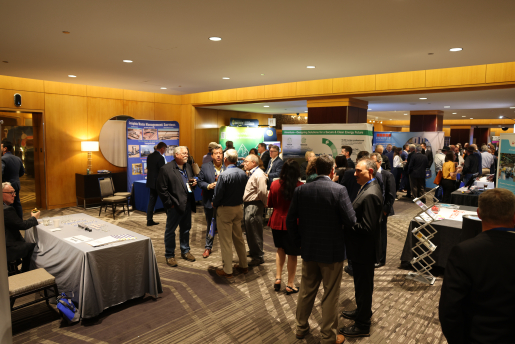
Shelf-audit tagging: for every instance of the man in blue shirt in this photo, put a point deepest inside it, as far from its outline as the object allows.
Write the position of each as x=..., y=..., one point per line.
x=228, y=205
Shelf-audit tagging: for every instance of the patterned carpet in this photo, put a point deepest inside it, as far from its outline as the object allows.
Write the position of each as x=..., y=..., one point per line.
x=199, y=307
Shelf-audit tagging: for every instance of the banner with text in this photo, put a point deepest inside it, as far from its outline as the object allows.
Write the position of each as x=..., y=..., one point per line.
x=142, y=136
x=325, y=139
x=506, y=162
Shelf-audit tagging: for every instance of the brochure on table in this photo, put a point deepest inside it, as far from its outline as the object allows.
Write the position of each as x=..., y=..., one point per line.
x=434, y=141
x=246, y=138
x=506, y=162
x=325, y=139
x=142, y=136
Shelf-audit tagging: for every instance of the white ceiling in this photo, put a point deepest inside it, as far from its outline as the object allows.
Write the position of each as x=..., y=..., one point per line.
x=168, y=40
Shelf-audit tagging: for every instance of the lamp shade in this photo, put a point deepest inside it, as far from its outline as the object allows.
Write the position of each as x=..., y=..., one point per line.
x=89, y=146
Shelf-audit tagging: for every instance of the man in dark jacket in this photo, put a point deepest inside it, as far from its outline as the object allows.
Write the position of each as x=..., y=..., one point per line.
x=207, y=179
x=386, y=163
x=349, y=180
x=12, y=170
x=477, y=303
x=274, y=165
x=17, y=248
x=175, y=185
x=155, y=161
x=364, y=247
x=317, y=213
x=347, y=151
x=417, y=172
x=264, y=154
x=428, y=153
x=471, y=164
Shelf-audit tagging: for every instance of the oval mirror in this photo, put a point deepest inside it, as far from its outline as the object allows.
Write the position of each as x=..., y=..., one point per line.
x=112, y=141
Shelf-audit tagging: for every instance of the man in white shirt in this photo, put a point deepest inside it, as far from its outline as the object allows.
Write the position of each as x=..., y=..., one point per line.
x=440, y=159
x=254, y=201
x=487, y=160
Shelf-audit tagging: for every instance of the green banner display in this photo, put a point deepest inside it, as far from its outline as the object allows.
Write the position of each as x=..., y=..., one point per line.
x=246, y=138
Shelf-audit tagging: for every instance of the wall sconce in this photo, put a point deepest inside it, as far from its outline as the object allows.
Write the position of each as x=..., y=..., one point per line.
x=89, y=146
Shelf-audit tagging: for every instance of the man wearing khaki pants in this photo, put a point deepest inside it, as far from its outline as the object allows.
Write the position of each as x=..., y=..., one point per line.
x=228, y=204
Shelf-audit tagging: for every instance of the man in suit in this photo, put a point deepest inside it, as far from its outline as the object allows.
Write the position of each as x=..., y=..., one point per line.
x=364, y=247
x=12, y=170
x=471, y=164
x=417, y=172
x=264, y=154
x=347, y=151
x=227, y=201
x=207, y=179
x=155, y=161
x=389, y=153
x=317, y=213
x=428, y=153
x=175, y=185
x=479, y=158
x=17, y=248
x=477, y=303
x=386, y=162
x=208, y=157
x=275, y=165
x=389, y=193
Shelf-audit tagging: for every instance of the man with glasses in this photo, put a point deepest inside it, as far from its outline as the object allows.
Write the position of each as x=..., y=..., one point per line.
x=17, y=248
x=254, y=202
x=275, y=165
x=12, y=170
x=175, y=185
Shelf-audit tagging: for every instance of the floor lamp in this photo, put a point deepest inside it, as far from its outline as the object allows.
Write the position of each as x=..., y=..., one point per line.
x=89, y=146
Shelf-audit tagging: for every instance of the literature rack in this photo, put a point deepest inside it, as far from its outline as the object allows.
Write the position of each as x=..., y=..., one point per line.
x=422, y=262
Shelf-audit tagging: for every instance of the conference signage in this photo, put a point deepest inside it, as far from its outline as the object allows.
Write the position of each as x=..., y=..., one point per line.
x=325, y=139
x=142, y=136
x=434, y=141
x=246, y=138
x=242, y=122
x=506, y=162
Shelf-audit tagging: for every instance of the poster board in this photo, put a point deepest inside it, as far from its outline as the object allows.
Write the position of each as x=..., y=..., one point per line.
x=142, y=136
x=325, y=139
x=246, y=138
x=506, y=162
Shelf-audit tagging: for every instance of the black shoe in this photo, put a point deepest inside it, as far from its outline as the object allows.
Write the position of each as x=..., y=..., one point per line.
x=378, y=265
x=349, y=314
x=348, y=270
x=152, y=223
x=256, y=261
x=354, y=331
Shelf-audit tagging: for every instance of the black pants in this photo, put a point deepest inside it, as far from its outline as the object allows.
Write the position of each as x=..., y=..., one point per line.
x=363, y=289
x=209, y=216
x=152, y=199
x=448, y=186
x=417, y=186
x=384, y=239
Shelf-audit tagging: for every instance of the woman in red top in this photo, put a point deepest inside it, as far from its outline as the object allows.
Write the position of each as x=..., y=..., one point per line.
x=279, y=198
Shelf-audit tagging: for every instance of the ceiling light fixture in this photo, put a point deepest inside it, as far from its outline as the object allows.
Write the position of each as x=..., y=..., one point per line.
x=446, y=107
x=500, y=116
x=369, y=109
x=390, y=119
x=456, y=49
x=266, y=106
x=471, y=118
x=225, y=78
x=463, y=116
x=512, y=107
x=163, y=88
x=422, y=98
x=405, y=114
x=310, y=67
x=215, y=39
x=127, y=61
x=305, y=111
x=72, y=76
x=454, y=113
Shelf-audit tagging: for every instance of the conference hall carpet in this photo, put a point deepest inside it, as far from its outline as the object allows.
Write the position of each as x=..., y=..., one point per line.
x=199, y=307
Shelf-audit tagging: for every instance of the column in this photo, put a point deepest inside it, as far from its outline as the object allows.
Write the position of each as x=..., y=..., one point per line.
x=430, y=120
x=340, y=110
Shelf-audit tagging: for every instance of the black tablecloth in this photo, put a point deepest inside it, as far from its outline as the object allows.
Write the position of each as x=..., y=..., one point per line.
x=449, y=233
x=470, y=199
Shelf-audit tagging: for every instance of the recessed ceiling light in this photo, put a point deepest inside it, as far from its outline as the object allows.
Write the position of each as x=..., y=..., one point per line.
x=454, y=113
x=215, y=39
x=463, y=116
x=266, y=106
x=405, y=114
x=381, y=122
x=163, y=88
x=310, y=67
x=262, y=74
x=512, y=107
x=72, y=76
x=456, y=49
x=390, y=119
x=500, y=116
x=305, y=111
x=471, y=118
x=127, y=61
x=422, y=98
x=446, y=107
x=369, y=109
x=226, y=78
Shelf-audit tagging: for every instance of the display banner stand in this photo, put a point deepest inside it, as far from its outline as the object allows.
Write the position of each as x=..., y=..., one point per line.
x=422, y=261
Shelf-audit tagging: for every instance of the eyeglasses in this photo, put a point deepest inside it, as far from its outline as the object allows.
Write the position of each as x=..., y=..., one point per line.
x=11, y=192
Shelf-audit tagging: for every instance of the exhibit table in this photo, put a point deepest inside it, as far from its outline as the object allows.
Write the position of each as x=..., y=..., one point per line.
x=449, y=233
x=97, y=277
x=141, y=195
x=467, y=199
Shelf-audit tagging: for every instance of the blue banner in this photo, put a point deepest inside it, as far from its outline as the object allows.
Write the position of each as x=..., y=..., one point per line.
x=242, y=122
x=142, y=136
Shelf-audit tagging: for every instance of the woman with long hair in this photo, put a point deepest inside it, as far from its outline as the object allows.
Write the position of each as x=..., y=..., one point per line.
x=311, y=171
x=398, y=167
x=449, y=172
x=279, y=198
x=341, y=167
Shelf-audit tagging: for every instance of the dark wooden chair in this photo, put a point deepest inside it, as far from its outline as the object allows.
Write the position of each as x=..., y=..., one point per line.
x=125, y=194
x=108, y=197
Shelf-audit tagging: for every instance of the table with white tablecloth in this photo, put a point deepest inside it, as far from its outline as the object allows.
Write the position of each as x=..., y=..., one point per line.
x=99, y=277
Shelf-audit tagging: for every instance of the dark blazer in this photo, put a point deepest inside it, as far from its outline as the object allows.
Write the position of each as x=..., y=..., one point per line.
x=379, y=178
x=265, y=158
x=471, y=164
x=390, y=155
x=275, y=172
x=386, y=162
x=350, y=163
x=408, y=160
x=417, y=165
x=350, y=183
x=477, y=302
x=206, y=177
x=154, y=162
x=12, y=170
x=317, y=213
x=303, y=168
x=172, y=189
x=364, y=238
x=429, y=154
x=479, y=162
x=17, y=248
x=389, y=193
